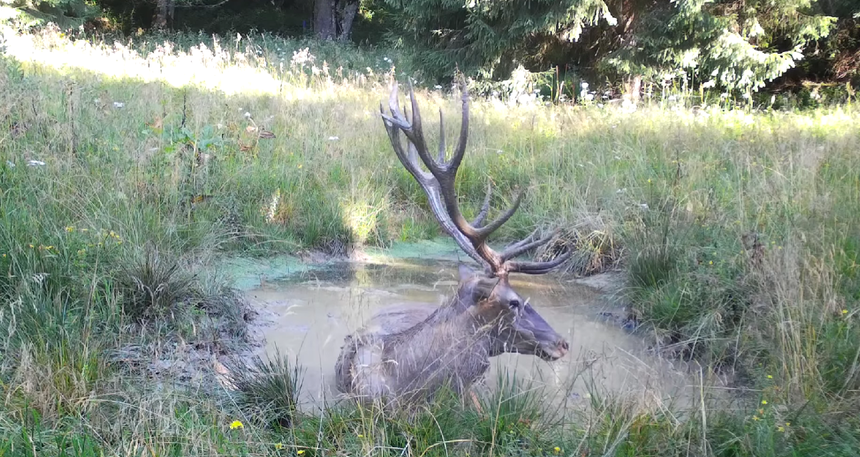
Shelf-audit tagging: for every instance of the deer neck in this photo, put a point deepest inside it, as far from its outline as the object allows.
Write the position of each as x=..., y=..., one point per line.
x=447, y=326
x=450, y=345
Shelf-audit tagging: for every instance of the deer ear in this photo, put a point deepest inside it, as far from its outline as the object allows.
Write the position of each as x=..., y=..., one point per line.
x=466, y=273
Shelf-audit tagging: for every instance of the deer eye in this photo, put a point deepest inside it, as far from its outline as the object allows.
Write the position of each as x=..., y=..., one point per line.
x=514, y=303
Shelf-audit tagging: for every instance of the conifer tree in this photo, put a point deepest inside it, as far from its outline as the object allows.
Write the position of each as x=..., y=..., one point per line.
x=731, y=44
x=491, y=37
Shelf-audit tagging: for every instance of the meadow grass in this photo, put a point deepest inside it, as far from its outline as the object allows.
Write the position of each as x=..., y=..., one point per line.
x=127, y=169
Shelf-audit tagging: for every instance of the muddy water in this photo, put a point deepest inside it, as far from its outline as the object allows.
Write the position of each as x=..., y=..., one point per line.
x=311, y=313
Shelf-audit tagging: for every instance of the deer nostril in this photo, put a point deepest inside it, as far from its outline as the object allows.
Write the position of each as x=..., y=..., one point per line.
x=563, y=344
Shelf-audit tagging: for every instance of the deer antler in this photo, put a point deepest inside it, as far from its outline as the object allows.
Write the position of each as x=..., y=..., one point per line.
x=438, y=184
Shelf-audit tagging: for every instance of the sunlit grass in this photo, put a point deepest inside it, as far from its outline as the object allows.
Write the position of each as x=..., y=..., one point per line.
x=738, y=231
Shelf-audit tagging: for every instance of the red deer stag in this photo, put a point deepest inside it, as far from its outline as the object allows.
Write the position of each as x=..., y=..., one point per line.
x=411, y=352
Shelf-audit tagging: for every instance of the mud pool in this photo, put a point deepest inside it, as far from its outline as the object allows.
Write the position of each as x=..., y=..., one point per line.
x=309, y=313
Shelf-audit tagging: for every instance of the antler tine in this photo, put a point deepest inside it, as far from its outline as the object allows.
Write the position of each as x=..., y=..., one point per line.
x=523, y=241
x=527, y=244
x=437, y=205
x=464, y=129
x=524, y=245
x=484, y=232
x=536, y=268
x=393, y=126
x=445, y=174
x=438, y=184
x=478, y=222
x=430, y=182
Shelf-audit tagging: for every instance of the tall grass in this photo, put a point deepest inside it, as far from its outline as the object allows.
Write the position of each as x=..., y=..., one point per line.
x=127, y=168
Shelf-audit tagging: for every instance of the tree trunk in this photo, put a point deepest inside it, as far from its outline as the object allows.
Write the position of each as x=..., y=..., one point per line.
x=324, y=19
x=160, y=20
x=346, y=15
x=171, y=8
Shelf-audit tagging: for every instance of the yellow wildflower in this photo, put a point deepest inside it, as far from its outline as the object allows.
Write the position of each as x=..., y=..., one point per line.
x=764, y=402
x=236, y=424
x=844, y=311
x=769, y=377
x=755, y=418
x=787, y=424
x=70, y=229
x=558, y=449
x=279, y=446
x=300, y=451
x=780, y=429
x=360, y=435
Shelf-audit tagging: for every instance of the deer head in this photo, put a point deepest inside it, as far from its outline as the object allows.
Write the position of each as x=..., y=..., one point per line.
x=514, y=325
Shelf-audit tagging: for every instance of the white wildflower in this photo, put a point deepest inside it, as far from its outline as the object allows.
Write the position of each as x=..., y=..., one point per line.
x=35, y=163
x=302, y=57
x=118, y=104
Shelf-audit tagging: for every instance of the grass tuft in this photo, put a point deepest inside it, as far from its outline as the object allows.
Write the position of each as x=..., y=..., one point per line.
x=152, y=284
x=269, y=389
